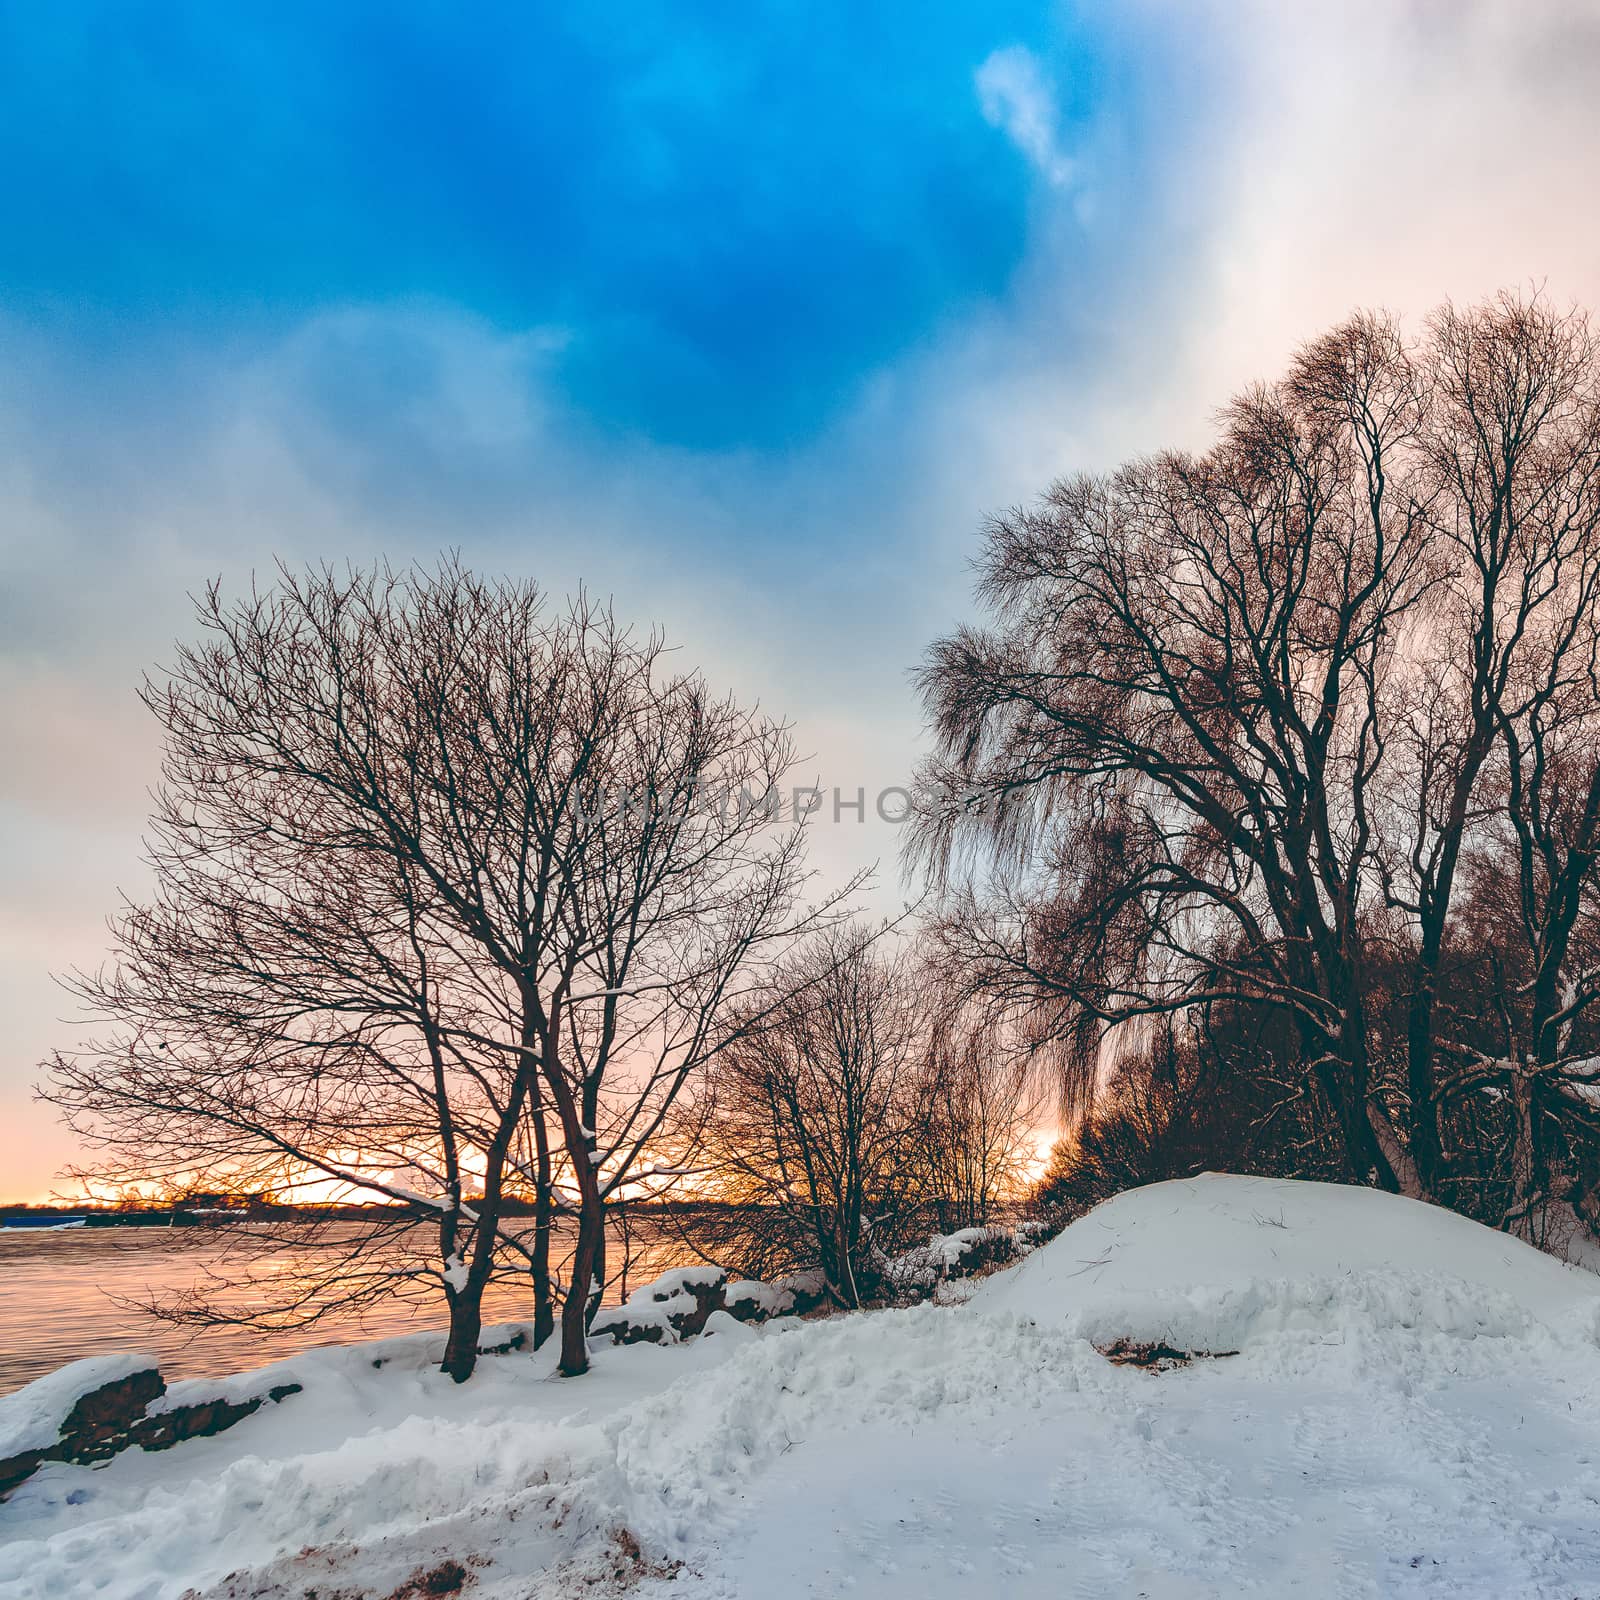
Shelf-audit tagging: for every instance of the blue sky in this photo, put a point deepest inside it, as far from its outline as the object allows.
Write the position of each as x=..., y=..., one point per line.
x=731, y=213
x=744, y=315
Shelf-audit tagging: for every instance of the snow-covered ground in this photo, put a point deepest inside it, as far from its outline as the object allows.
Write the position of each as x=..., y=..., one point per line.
x=1413, y=1409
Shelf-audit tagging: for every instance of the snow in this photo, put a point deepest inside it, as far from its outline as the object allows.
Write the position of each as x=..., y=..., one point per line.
x=455, y=1272
x=31, y=1417
x=724, y=1325
x=770, y=1299
x=1414, y=1410
x=1209, y=1262
x=680, y=1281
x=934, y=1261
x=433, y=1201
x=380, y=1449
x=639, y=1314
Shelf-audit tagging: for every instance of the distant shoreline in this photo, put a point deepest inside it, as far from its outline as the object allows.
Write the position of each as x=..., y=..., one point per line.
x=269, y=1211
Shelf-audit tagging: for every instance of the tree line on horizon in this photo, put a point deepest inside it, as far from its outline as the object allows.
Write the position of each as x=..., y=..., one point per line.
x=1260, y=827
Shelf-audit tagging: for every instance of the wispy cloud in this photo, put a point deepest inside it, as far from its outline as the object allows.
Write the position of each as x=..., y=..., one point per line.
x=1017, y=97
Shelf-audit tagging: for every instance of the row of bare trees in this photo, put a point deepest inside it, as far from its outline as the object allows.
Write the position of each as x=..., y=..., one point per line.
x=1307, y=728
x=472, y=905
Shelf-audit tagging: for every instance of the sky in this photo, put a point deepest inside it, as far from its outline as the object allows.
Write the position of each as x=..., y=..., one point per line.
x=743, y=316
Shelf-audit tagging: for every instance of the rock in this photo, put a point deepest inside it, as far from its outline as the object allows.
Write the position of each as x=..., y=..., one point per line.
x=807, y=1290
x=202, y=1419
x=688, y=1295
x=519, y=1339
x=99, y=1425
x=750, y=1301
x=674, y=1307
x=679, y=1304
x=632, y=1325
x=116, y=1416
x=18, y=1469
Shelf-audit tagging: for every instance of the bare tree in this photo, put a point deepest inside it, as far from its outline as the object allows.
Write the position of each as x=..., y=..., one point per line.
x=432, y=862
x=294, y=1012
x=680, y=898
x=1177, y=716
x=1537, y=896
x=809, y=1121
x=1508, y=465
x=1242, y=718
x=977, y=1118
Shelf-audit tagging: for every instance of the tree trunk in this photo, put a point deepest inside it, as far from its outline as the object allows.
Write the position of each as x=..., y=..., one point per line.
x=1403, y=1174
x=598, y=1284
x=1528, y=1196
x=1362, y=1150
x=466, y=1323
x=544, y=1308
x=466, y=1303
x=1345, y=1073
x=1427, y=1153
x=544, y=1314
x=575, y=1311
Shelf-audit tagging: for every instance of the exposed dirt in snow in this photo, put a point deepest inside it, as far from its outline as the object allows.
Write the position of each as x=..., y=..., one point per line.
x=1414, y=1409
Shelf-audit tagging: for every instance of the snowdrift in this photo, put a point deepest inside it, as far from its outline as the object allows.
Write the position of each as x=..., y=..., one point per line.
x=1207, y=1264
x=1414, y=1410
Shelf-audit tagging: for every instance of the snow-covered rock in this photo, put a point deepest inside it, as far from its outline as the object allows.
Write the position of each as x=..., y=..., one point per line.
x=953, y=1255
x=673, y=1306
x=634, y=1324
x=724, y=1325
x=679, y=1304
x=808, y=1290
x=92, y=1410
x=32, y=1417
x=679, y=1281
x=751, y=1301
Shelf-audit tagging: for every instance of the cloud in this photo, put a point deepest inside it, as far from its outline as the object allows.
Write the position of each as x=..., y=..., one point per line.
x=1248, y=200
x=1433, y=159
x=1017, y=97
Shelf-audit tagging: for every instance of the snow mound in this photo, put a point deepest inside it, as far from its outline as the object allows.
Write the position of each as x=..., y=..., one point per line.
x=1209, y=1263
